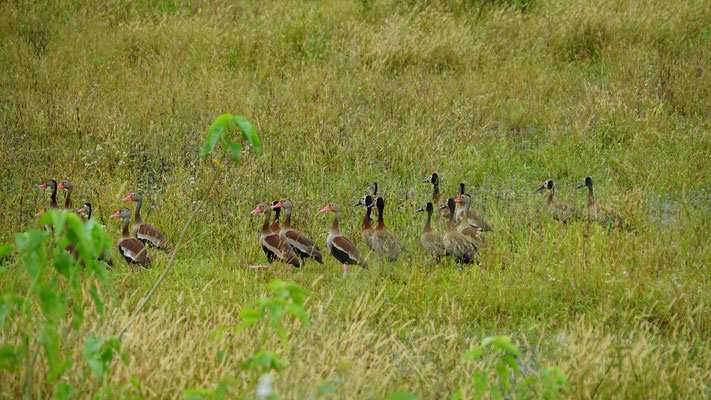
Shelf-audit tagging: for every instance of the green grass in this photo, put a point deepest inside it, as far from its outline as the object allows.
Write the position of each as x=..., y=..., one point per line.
x=117, y=97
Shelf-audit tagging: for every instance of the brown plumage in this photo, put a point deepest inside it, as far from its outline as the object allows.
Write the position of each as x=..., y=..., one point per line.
x=146, y=232
x=431, y=241
x=275, y=246
x=595, y=212
x=367, y=230
x=559, y=211
x=69, y=187
x=341, y=248
x=52, y=184
x=466, y=228
x=473, y=217
x=384, y=242
x=302, y=244
x=457, y=245
x=132, y=249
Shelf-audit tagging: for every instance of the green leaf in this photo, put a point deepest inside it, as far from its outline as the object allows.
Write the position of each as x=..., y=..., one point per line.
x=480, y=384
x=248, y=133
x=99, y=352
x=235, y=149
x=50, y=342
x=4, y=250
x=298, y=312
x=509, y=360
x=472, y=355
x=503, y=343
x=78, y=316
x=213, y=134
x=53, y=307
x=402, y=395
x=64, y=391
x=62, y=261
x=8, y=357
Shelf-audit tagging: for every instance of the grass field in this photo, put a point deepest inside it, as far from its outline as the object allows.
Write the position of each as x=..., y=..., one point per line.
x=500, y=95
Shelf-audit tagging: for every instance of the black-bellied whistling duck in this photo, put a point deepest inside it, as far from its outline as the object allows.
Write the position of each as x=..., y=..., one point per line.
x=457, y=245
x=275, y=246
x=373, y=188
x=69, y=187
x=595, y=212
x=367, y=230
x=43, y=210
x=302, y=244
x=467, y=229
x=85, y=212
x=436, y=197
x=132, y=249
x=559, y=211
x=384, y=242
x=52, y=184
x=275, y=223
x=473, y=217
x=431, y=241
x=146, y=232
x=341, y=248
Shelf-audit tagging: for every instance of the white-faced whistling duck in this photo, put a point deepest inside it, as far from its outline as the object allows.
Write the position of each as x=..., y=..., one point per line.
x=432, y=242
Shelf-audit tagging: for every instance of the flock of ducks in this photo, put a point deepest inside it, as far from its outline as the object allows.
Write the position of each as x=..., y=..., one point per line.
x=133, y=249
x=462, y=240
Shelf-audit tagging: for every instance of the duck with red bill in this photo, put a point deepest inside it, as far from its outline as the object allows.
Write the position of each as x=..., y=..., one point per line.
x=145, y=232
x=273, y=245
x=132, y=249
x=340, y=246
x=52, y=184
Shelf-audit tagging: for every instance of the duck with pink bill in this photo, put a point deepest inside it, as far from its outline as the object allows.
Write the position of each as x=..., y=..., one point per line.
x=132, y=249
x=145, y=232
x=52, y=184
x=340, y=246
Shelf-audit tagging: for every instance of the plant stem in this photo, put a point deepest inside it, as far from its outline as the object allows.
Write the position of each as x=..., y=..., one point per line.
x=175, y=251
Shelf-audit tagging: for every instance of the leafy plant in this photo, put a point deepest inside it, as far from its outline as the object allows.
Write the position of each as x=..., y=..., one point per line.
x=57, y=264
x=506, y=371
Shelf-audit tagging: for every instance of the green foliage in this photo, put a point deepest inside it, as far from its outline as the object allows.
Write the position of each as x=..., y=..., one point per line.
x=58, y=265
x=226, y=123
x=507, y=373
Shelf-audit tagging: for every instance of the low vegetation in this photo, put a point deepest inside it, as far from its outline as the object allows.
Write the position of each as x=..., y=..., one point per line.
x=500, y=95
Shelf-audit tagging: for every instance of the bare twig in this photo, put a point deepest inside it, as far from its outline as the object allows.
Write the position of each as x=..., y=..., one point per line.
x=175, y=251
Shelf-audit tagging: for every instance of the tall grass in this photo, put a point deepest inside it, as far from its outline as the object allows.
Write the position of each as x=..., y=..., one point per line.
x=499, y=95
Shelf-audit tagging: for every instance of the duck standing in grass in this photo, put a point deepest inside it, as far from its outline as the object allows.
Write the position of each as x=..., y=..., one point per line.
x=466, y=228
x=559, y=211
x=384, y=242
x=432, y=242
x=302, y=244
x=273, y=245
x=595, y=212
x=132, y=249
x=367, y=230
x=340, y=246
x=457, y=245
x=144, y=231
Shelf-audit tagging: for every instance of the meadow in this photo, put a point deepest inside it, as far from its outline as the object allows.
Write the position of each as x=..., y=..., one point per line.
x=117, y=97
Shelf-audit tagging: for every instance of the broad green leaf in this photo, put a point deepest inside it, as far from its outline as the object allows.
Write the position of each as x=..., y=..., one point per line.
x=213, y=134
x=8, y=357
x=298, y=312
x=248, y=133
x=53, y=307
x=480, y=384
x=64, y=391
x=235, y=149
x=99, y=351
x=472, y=355
x=4, y=250
x=62, y=261
x=402, y=395
x=509, y=360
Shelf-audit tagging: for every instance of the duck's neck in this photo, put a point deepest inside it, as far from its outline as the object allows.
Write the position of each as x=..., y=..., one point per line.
x=266, y=229
x=137, y=219
x=126, y=222
x=381, y=222
x=53, y=199
x=287, y=218
x=68, y=200
x=275, y=223
x=367, y=223
x=550, y=196
x=450, y=224
x=435, y=194
x=88, y=212
x=335, y=230
x=591, y=196
x=428, y=228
